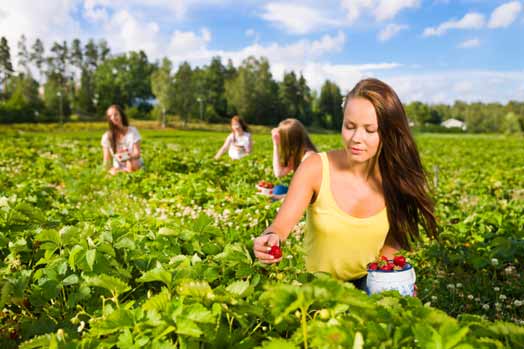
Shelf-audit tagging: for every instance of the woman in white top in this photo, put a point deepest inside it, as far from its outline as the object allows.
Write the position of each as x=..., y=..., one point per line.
x=238, y=144
x=121, y=144
x=291, y=146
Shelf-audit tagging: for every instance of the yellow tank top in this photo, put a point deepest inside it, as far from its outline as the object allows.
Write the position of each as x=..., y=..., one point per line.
x=336, y=242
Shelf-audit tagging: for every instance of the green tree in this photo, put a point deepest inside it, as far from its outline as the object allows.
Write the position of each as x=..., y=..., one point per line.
x=24, y=104
x=418, y=112
x=124, y=79
x=511, y=124
x=305, y=111
x=289, y=96
x=6, y=66
x=254, y=93
x=330, y=105
x=91, y=55
x=185, y=96
x=37, y=56
x=163, y=88
x=55, y=98
x=23, y=56
x=215, y=86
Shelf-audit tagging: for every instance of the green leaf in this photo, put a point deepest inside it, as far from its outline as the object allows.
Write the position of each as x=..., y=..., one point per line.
x=167, y=231
x=159, y=301
x=43, y=341
x=72, y=256
x=90, y=258
x=198, y=313
x=238, y=288
x=278, y=343
x=157, y=274
x=70, y=280
x=188, y=328
x=110, y=283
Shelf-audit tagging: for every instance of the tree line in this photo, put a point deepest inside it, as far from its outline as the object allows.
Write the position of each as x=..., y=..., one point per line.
x=73, y=78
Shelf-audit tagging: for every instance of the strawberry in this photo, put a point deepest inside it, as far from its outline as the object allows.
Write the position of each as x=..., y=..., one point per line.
x=388, y=267
x=384, y=258
x=399, y=261
x=275, y=251
x=373, y=266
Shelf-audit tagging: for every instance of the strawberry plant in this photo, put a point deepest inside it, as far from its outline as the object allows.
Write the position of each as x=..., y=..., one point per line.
x=162, y=258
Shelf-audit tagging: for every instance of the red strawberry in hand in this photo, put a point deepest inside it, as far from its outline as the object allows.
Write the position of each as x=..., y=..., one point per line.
x=399, y=261
x=275, y=252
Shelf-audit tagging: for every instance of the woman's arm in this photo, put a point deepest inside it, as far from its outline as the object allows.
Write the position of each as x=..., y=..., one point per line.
x=107, y=158
x=304, y=184
x=390, y=248
x=224, y=147
x=133, y=163
x=249, y=145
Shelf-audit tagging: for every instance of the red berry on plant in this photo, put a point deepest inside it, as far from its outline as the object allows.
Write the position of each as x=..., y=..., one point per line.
x=275, y=251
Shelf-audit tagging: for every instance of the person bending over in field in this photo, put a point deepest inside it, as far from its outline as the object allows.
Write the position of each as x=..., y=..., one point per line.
x=238, y=144
x=291, y=146
x=121, y=144
x=364, y=200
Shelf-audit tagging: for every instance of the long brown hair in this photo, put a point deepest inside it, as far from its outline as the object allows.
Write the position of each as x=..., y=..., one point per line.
x=114, y=131
x=404, y=182
x=294, y=142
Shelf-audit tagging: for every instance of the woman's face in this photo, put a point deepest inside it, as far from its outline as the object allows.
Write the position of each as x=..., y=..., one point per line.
x=115, y=117
x=360, y=130
x=235, y=126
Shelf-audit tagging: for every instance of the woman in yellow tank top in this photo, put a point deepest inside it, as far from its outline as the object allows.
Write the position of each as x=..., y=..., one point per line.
x=362, y=201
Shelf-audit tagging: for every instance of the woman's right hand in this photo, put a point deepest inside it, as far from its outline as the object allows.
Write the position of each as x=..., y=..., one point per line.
x=275, y=135
x=262, y=245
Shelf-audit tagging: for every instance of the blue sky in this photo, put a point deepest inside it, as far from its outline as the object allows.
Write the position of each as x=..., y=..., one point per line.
x=436, y=51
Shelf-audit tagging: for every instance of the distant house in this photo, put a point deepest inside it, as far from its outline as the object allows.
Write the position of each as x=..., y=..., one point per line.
x=454, y=123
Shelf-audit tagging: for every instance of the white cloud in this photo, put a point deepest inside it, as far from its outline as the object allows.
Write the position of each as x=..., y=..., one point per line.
x=94, y=12
x=125, y=32
x=297, y=18
x=469, y=43
x=449, y=86
x=50, y=21
x=390, y=31
x=355, y=8
x=388, y=9
x=380, y=9
x=505, y=14
x=469, y=21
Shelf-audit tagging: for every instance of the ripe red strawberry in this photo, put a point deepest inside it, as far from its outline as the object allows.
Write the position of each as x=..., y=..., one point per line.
x=384, y=258
x=275, y=251
x=400, y=261
x=373, y=266
x=388, y=267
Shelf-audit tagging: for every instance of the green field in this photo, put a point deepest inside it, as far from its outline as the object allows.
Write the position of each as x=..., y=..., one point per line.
x=162, y=258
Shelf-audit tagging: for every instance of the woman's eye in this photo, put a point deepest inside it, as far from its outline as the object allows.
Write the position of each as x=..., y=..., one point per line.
x=350, y=127
x=371, y=130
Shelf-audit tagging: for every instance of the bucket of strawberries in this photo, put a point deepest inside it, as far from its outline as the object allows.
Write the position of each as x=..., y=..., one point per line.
x=265, y=188
x=395, y=274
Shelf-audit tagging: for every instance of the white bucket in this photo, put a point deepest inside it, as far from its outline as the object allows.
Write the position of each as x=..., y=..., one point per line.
x=401, y=280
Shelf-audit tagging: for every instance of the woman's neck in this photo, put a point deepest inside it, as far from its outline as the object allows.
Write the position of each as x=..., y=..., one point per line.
x=360, y=169
x=238, y=133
